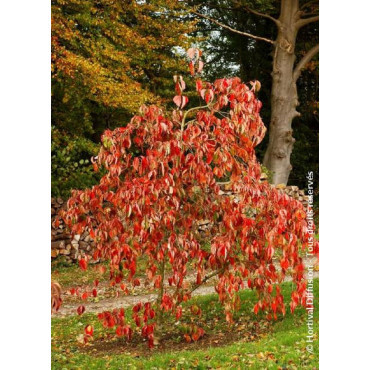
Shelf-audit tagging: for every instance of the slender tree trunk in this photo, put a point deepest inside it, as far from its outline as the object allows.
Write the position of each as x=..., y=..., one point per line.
x=284, y=98
x=161, y=289
x=159, y=320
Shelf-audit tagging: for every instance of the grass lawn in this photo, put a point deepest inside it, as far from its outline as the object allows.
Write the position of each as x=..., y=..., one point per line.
x=251, y=342
x=70, y=274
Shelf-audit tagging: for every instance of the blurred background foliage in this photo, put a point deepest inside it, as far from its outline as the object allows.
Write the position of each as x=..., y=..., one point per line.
x=70, y=163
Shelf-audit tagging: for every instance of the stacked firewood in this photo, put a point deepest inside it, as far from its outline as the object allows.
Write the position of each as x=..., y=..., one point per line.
x=291, y=190
x=61, y=242
x=295, y=193
x=63, y=245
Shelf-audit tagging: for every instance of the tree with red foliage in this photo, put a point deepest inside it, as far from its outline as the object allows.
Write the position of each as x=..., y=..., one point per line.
x=162, y=181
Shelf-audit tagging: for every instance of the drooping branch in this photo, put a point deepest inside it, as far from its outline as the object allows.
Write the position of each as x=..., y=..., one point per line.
x=161, y=292
x=301, y=64
x=304, y=21
x=262, y=15
x=234, y=30
x=184, y=118
x=206, y=278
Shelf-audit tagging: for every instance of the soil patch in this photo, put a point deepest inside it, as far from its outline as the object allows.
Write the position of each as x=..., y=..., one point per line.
x=174, y=342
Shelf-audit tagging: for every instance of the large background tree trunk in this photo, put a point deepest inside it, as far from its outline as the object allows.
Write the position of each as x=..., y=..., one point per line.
x=284, y=98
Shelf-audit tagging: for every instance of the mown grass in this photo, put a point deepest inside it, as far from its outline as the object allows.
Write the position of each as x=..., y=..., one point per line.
x=69, y=274
x=251, y=342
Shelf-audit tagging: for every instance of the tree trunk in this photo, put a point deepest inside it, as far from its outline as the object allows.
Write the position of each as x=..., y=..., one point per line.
x=284, y=98
x=159, y=319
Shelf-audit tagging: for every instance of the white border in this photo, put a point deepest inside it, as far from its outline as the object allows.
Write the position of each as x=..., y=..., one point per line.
x=344, y=183
x=25, y=184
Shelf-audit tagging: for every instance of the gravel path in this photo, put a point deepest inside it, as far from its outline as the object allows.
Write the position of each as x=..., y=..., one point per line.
x=108, y=304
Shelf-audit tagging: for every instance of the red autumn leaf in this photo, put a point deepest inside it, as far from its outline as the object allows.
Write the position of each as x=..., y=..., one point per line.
x=293, y=305
x=89, y=330
x=200, y=66
x=132, y=267
x=119, y=331
x=180, y=100
x=191, y=68
x=191, y=52
x=207, y=95
x=83, y=264
x=218, y=172
x=274, y=306
x=111, y=322
x=137, y=307
x=201, y=332
x=80, y=310
x=284, y=263
x=195, y=336
x=151, y=314
x=137, y=229
x=182, y=83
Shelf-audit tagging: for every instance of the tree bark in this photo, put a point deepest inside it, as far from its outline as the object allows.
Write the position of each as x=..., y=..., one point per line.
x=284, y=98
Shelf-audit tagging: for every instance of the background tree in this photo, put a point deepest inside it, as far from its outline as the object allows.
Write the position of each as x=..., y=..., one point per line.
x=277, y=25
x=108, y=58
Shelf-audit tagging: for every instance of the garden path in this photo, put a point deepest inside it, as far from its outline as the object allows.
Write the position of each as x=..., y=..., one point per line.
x=107, y=304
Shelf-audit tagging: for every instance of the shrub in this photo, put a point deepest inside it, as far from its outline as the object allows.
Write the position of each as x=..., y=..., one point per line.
x=152, y=204
x=71, y=165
